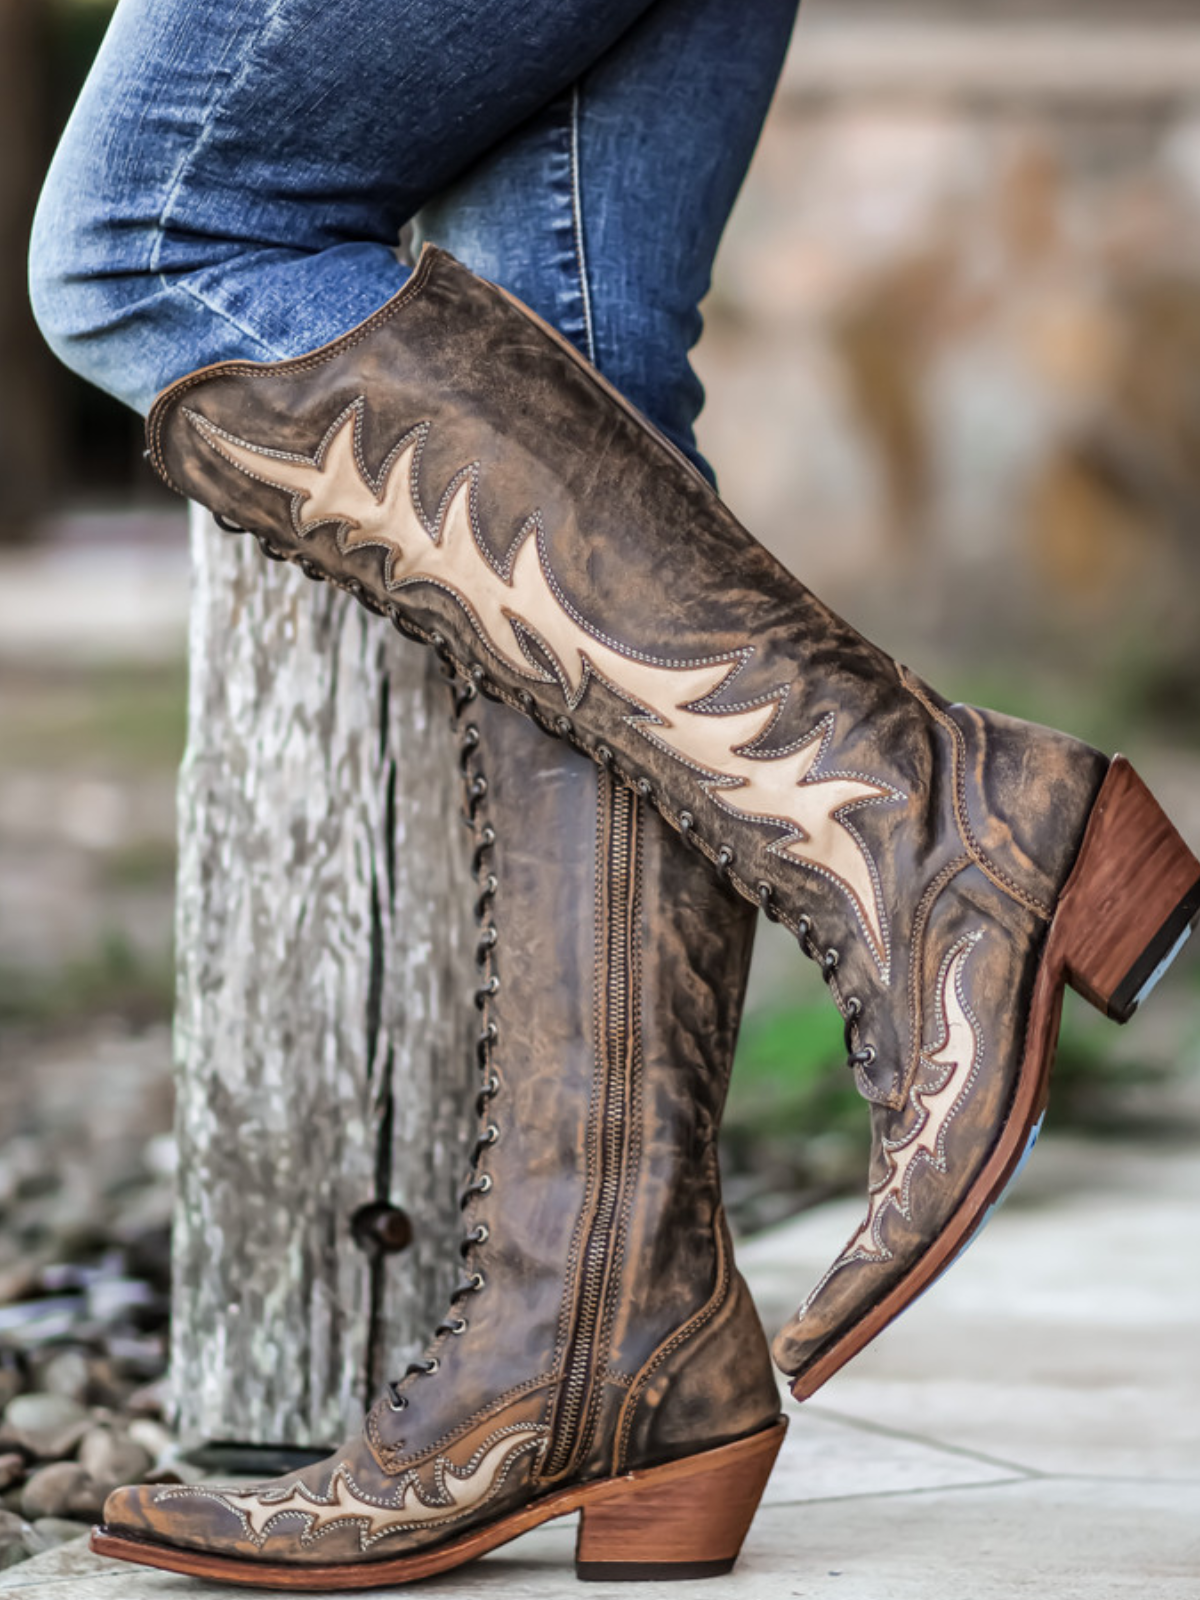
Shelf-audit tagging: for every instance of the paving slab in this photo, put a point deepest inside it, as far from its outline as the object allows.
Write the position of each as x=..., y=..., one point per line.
x=1030, y=1427
x=1067, y=1339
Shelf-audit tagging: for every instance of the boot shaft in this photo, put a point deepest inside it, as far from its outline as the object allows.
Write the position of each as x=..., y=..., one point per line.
x=611, y=970
x=596, y=579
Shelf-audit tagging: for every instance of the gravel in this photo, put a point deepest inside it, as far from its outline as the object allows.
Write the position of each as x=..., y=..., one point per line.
x=85, y=1207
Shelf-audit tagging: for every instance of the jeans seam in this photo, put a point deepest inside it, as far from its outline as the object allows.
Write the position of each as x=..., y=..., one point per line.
x=188, y=157
x=219, y=311
x=577, y=226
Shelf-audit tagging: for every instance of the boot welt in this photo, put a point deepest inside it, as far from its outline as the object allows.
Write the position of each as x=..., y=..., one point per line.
x=686, y=1519
x=1125, y=913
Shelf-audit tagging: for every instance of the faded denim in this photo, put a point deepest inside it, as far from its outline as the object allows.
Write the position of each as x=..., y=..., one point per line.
x=235, y=176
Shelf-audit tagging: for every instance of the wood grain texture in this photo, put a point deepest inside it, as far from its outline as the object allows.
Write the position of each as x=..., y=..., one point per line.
x=324, y=1025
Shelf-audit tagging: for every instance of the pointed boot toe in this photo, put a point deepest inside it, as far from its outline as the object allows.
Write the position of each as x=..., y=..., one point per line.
x=184, y=1518
x=600, y=1353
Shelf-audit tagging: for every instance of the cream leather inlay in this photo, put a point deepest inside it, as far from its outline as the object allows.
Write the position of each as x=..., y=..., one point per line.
x=461, y=1489
x=952, y=1062
x=671, y=700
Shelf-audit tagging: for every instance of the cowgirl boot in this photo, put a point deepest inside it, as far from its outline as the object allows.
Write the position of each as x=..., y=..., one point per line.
x=600, y=1352
x=460, y=468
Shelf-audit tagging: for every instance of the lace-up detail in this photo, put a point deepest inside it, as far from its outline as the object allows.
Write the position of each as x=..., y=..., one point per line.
x=475, y=789
x=477, y=681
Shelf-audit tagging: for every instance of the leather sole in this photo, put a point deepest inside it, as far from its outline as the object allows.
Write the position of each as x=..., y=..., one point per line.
x=1125, y=913
x=684, y=1520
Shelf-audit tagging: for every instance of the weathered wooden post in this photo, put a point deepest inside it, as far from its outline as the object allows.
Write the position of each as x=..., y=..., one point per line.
x=324, y=1026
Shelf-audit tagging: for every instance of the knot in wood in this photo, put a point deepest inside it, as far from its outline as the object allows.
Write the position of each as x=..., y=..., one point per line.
x=381, y=1229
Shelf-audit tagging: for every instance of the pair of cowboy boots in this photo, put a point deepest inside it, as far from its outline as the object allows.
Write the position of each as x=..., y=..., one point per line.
x=460, y=469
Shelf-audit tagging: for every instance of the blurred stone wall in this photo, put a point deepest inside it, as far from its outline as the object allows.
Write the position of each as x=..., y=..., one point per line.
x=953, y=347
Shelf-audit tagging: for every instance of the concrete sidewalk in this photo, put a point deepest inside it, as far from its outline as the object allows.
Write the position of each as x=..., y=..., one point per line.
x=1031, y=1427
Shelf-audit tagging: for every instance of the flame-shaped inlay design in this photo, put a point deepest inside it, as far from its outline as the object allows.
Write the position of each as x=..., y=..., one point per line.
x=949, y=1069
x=458, y=1490
x=523, y=617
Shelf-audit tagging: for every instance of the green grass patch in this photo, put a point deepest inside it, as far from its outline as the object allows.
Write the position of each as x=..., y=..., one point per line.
x=114, y=980
x=127, y=717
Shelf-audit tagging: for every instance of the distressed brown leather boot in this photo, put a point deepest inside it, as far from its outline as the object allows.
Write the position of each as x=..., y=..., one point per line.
x=601, y=1351
x=460, y=468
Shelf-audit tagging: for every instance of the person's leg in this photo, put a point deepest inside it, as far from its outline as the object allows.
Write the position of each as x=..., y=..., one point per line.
x=604, y=212
x=235, y=176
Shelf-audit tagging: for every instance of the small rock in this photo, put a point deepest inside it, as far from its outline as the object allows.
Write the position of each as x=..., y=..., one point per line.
x=105, y=1385
x=149, y=1401
x=63, y=1489
x=67, y=1373
x=141, y=1359
x=18, y=1541
x=12, y=1470
x=20, y=1282
x=48, y=1426
x=12, y=1376
x=54, y=1531
x=116, y=1299
x=113, y=1458
x=153, y=1437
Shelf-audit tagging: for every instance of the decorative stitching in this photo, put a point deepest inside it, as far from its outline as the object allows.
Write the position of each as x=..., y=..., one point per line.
x=393, y=1459
x=916, y=967
x=417, y=281
x=856, y=1250
x=651, y=721
x=296, y=1499
x=1001, y=878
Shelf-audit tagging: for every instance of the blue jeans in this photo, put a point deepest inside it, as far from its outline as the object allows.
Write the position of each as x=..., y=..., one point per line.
x=236, y=174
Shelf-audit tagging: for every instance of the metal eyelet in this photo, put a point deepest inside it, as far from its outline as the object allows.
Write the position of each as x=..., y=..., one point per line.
x=803, y=930
x=478, y=1282
x=604, y=756
x=724, y=861
x=486, y=990
x=480, y=1185
x=484, y=1042
x=687, y=826
x=468, y=740
x=479, y=1234
x=645, y=788
x=864, y=1057
x=430, y=1366
x=766, y=900
x=484, y=684
x=486, y=894
x=564, y=726
x=397, y=1402
x=830, y=960
x=487, y=838
x=458, y=1325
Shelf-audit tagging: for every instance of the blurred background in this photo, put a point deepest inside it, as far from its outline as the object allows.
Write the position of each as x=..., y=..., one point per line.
x=953, y=365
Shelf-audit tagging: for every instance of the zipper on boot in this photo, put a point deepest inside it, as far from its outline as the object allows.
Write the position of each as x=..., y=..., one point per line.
x=616, y=1047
